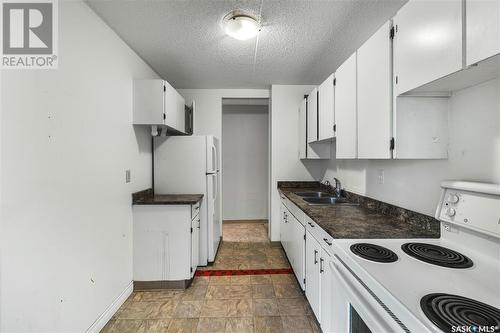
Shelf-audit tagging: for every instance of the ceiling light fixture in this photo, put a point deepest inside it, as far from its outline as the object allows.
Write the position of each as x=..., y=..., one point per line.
x=240, y=25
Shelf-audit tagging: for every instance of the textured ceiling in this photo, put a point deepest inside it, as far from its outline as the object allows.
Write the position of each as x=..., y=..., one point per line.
x=301, y=42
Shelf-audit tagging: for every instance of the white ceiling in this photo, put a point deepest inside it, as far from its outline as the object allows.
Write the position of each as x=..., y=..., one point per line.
x=301, y=41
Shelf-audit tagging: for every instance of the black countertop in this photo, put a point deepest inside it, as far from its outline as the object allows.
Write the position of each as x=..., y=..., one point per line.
x=147, y=197
x=370, y=219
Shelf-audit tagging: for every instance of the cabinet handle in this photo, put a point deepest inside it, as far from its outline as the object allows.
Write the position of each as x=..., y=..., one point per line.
x=327, y=242
x=198, y=223
x=321, y=270
x=315, y=257
x=312, y=225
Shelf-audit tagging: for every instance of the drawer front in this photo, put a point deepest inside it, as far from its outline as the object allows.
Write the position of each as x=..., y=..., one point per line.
x=319, y=234
x=195, y=210
x=296, y=211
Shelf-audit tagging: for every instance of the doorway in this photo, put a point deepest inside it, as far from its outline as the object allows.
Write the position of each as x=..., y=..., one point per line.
x=245, y=165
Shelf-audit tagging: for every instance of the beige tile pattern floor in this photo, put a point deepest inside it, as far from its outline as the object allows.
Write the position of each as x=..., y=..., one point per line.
x=238, y=303
x=245, y=231
x=251, y=303
x=249, y=255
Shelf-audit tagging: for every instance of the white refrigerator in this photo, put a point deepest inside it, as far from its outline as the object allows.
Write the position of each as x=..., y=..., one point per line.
x=190, y=165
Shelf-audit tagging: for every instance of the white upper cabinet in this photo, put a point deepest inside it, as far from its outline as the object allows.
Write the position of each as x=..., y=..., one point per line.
x=483, y=29
x=326, y=115
x=345, y=109
x=156, y=102
x=148, y=102
x=302, y=129
x=314, y=150
x=428, y=42
x=174, y=108
x=312, y=116
x=375, y=95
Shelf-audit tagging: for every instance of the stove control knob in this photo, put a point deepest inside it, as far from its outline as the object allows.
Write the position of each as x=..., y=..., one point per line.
x=453, y=198
x=450, y=212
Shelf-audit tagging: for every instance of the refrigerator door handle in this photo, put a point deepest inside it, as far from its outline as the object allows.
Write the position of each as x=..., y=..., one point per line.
x=213, y=166
x=215, y=187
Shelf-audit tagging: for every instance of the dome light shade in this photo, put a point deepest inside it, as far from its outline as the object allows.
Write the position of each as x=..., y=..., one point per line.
x=241, y=27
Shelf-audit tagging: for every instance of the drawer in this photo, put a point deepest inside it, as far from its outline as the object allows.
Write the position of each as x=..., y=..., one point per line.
x=319, y=234
x=294, y=210
x=195, y=210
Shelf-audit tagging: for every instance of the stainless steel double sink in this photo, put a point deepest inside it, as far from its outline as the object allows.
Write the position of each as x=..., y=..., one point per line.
x=323, y=198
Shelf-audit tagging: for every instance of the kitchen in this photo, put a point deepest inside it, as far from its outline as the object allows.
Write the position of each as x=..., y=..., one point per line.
x=382, y=195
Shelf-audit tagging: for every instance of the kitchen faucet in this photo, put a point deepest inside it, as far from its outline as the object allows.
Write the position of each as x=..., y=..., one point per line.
x=338, y=187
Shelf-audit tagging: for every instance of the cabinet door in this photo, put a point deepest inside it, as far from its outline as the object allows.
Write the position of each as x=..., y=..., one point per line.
x=180, y=113
x=297, y=259
x=195, y=244
x=327, y=294
x=282, y=226
x=302, y=129
x=374, y=95
x=483, y=29
x=428, y=42
x=312, y=257
x=345, y=109
x=172, y=104
x=148, y=102
x=312, y=116
x=326, y=114
x=285, y=230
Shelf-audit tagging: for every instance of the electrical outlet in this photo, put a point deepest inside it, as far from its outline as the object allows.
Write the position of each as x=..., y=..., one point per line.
x=127, y=176
x=380, y=176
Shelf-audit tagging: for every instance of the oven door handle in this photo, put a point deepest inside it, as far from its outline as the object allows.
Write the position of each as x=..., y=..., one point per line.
x=376, y=317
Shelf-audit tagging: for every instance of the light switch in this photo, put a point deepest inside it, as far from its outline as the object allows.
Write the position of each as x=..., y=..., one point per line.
x=127, y=176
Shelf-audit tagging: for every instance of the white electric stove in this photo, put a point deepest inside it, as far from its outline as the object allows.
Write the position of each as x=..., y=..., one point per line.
x=451, y=284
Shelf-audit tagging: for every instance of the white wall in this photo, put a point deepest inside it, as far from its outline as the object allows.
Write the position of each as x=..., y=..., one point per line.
x=245, y=161
x=285, y=162
x=208, y=113
x=67, y=139
x=474, y=154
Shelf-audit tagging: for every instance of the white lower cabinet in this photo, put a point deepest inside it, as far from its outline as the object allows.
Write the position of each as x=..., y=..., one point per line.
x=195, y=243
x=284, y=230
x=297, y=249
x=312, y=259
x=292, y=233
x=326, y=292
x=166, y=242
x=313, y=285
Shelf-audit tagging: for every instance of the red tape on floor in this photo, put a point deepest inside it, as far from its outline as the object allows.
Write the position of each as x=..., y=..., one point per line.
x=224, y=272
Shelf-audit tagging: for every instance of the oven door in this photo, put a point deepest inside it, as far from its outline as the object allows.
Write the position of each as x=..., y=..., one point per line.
x=355, y=308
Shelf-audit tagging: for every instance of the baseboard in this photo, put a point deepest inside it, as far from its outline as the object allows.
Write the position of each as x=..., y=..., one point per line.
x=148, y=285
x=246, y=221
x=103, y=319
